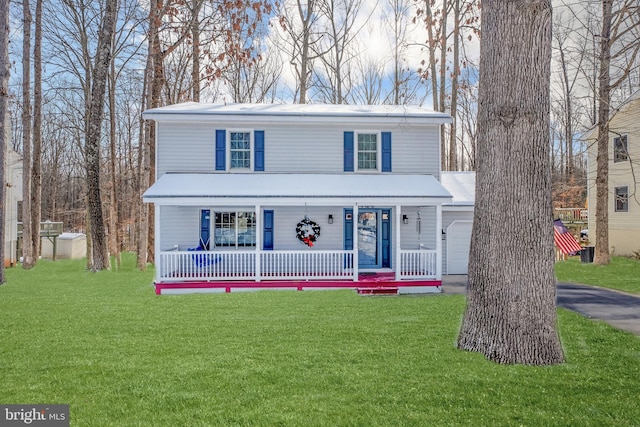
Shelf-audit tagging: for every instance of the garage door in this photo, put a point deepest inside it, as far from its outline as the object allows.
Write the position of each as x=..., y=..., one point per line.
x=458, y=243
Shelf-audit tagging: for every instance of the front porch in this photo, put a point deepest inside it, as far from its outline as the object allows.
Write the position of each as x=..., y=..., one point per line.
x=251, y=241
x=367, y=284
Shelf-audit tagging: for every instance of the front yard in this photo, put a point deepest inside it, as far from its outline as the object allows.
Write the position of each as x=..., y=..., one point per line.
x=622, y=273
x=121, y=355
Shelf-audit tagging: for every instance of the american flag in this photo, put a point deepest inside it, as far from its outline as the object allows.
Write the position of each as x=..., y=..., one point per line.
x=564, y=239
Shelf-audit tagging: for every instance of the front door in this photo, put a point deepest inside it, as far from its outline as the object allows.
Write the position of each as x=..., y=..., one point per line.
x=369, y=241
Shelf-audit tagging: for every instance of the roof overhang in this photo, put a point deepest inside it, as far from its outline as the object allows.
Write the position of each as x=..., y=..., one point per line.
x=296, y=113
x=228, y=189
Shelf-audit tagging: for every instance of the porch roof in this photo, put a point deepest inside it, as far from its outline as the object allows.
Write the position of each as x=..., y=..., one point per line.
x=295, y=189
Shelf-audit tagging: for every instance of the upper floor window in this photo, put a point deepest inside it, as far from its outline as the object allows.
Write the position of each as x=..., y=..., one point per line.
x=240, y=150
x=368, y=151
x=620, y=153
x=622, y=199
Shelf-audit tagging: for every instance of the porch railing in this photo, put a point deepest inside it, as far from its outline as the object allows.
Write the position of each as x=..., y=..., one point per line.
x=176, y=265
x=418, y=264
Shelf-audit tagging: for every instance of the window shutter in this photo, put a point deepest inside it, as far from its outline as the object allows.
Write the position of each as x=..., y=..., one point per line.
x=258, y=148
x=221, y=149
x=386, y=151
x=348, y=230
x=267, y=240
x=386, y=238
x=348, y=151
x=205, y=228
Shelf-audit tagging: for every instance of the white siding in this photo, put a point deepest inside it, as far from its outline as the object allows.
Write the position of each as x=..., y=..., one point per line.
x=179, y=225
x=190, y=147
x=409, y=236
x=185, y=147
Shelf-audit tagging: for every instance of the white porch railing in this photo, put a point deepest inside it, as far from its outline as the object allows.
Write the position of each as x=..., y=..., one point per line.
x=176, y=265
x=418, y=264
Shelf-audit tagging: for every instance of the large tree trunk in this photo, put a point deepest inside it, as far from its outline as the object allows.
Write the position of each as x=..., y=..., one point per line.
x=511, y=300
x=92, y=149
x=28, y=230
x=36, y=175
x=601, y=255
x=5, y=67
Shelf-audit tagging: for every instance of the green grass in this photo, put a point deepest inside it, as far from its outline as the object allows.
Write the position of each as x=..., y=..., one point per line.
x=622, y=273
x=122, y=356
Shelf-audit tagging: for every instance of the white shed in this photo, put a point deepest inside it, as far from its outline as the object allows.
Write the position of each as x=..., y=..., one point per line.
x=68, y=246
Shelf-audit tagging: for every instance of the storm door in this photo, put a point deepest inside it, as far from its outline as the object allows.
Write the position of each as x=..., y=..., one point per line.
x=369, y=239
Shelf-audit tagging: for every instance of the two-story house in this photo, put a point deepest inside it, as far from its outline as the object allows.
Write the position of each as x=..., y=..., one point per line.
x=624, y=178
x=273, y=196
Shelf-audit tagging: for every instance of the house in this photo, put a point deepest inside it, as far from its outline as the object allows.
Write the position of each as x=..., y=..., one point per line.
x=624, y=178
x=13, y=197
x=256, y=196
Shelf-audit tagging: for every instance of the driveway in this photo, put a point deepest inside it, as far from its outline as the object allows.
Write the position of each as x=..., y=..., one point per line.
x=619, y=309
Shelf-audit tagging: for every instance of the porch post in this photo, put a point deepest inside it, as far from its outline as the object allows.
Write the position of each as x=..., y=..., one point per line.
x=439, y=241
x=355, y=243
x=259, y=232
x=156, y=242
x=397, y=234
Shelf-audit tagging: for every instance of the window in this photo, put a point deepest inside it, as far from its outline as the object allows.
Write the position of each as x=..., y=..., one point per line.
x=235, y=229
x=620, y=153
x=622, y=199
x=367, y=151
x=240, y=150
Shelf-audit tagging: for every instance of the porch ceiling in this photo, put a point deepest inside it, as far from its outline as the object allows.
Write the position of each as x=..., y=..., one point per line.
x=295, y=189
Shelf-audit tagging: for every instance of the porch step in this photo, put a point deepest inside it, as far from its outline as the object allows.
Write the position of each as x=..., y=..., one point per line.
x=379, y=290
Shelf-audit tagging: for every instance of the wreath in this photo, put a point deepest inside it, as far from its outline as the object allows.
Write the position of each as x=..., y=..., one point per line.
x=307, y=231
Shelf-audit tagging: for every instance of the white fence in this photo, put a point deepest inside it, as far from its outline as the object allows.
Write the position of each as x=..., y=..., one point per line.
x=177, y=265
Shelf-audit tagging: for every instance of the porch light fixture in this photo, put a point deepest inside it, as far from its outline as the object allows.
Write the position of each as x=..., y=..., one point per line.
x=330, y=219
x=405, y=219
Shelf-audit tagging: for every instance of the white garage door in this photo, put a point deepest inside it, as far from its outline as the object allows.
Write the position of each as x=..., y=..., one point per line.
x=458, y=243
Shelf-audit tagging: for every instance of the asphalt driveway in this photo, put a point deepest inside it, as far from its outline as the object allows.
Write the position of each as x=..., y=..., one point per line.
x=619, y=309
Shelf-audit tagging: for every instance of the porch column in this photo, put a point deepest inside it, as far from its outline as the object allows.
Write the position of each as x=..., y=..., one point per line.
x=259, y=232
x=439, y=242
x=397, y=234
x=355, y=243
x=156, y=242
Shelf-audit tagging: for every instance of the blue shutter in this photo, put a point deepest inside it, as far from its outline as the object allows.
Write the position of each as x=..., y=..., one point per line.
x=267, y=240
x=386, y=151
x=221, y=149
x=348, y=230
x=386, y=238
x=258, y=148
x=205, y=228
x=348, y=151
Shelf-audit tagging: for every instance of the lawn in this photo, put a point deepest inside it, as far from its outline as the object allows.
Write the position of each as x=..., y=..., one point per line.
x=122, y=356
x=622, y=273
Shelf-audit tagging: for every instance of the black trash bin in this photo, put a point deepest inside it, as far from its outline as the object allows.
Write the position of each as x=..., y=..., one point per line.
x=586, y=254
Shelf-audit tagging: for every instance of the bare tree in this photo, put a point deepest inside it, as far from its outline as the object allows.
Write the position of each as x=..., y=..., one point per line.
x=28, y=231
x=4, y=116
x=36, y=174
x=301, y=35
x=100, y=253
x=511, y=308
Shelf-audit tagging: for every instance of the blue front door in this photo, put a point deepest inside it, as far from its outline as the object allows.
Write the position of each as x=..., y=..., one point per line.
x=369, y=241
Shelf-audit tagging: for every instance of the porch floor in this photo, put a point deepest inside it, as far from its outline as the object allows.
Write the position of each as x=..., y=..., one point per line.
x=368, y=283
